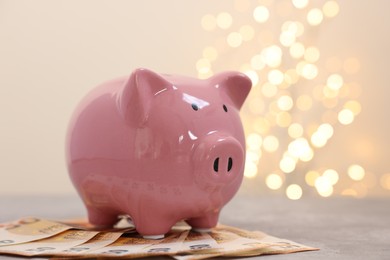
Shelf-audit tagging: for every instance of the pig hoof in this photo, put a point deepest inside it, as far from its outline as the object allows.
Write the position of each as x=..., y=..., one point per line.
x=202, y=230
x=154, y=237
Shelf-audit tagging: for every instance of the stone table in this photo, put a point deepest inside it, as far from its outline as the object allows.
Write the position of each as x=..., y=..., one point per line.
x=343, y=228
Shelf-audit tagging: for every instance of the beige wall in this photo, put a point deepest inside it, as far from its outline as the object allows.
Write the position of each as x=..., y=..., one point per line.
x=53, y=52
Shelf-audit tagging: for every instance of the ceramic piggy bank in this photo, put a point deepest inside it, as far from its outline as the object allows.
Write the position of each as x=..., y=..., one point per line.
x=159, y=148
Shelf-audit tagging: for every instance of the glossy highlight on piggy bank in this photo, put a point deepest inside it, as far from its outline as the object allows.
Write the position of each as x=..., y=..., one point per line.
x=159, y=148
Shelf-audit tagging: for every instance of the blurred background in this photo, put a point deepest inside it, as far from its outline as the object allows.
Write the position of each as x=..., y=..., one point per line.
x=316, y=120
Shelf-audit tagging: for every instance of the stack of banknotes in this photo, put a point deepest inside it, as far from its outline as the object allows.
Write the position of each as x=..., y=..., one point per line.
x=32, y=236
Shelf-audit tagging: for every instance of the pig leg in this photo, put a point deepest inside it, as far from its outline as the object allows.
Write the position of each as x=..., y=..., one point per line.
x=101, y=218
x=204, y=223
x=153, y=225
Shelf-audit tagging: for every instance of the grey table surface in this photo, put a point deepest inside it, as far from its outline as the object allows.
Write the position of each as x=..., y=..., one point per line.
x=343, y=228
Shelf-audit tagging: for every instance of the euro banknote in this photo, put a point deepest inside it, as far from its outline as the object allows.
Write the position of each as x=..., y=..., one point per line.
x=34, y=236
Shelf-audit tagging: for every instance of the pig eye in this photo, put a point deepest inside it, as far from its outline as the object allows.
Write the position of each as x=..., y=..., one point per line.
x=194, y=106
x=225, y=108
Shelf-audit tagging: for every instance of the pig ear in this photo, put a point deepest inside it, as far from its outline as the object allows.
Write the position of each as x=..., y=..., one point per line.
x=234, y=86
x=138, y=92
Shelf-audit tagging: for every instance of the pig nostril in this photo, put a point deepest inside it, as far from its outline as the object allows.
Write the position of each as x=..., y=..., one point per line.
x=216, y=163
x=230, y=164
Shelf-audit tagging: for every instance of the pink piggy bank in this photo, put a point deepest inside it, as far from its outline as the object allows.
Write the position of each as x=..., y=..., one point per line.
x=160, y=148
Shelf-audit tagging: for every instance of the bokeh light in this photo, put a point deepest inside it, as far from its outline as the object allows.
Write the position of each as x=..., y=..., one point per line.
x=294, y=192
x=224, y=20
x=324, y=186
x=331, y=175
x=346, y=116
x=247, y=32
x=311, y=177
x=274, y=181
x=300, y=4
x=270, y=143
x=261, y=14
x=331, y=9
x=301, y=95
x=356, y=172
x=314, y=17
x=295, y=130
x=234, y=39
x=312, y=54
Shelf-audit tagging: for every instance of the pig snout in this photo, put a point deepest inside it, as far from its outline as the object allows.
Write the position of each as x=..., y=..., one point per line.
x=218, y=160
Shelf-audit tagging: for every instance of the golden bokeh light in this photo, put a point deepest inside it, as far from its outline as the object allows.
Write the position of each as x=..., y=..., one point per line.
x=309, y=71
x=250, y=169
x=270, y=143
x=253, y=156
x=287, y=164
x=285, y=103
x=247, y=32
x=274, y=181
x=300, y=149
x=261, y=14
x=356, y=172
x=301, y=95
x=311, y=177
x=294, y=27
x=295, y=130
x=324, y=186
x=287, y=38
x=203, y=66
x=353, y=106
x=329, y=93
x=300, y=4
x=312, y=54
x=314, y=17
x=253, y=76
x=257, y=62
x=283, y=119
x=297, y=50
x=224, y=20
x=269, y=90
x=275, y=77
x=331, y=9
x=294, y=192
x=331, y=175
x=349, y=192
x=346, y=116
x=317, y=140
x=335, y=81
x=321, y=136
x=254, y=141
x=326, y=130
x=234, y=39
x=272, y=56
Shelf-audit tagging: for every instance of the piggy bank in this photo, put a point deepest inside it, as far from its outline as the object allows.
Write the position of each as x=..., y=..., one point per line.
x=160, y=148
